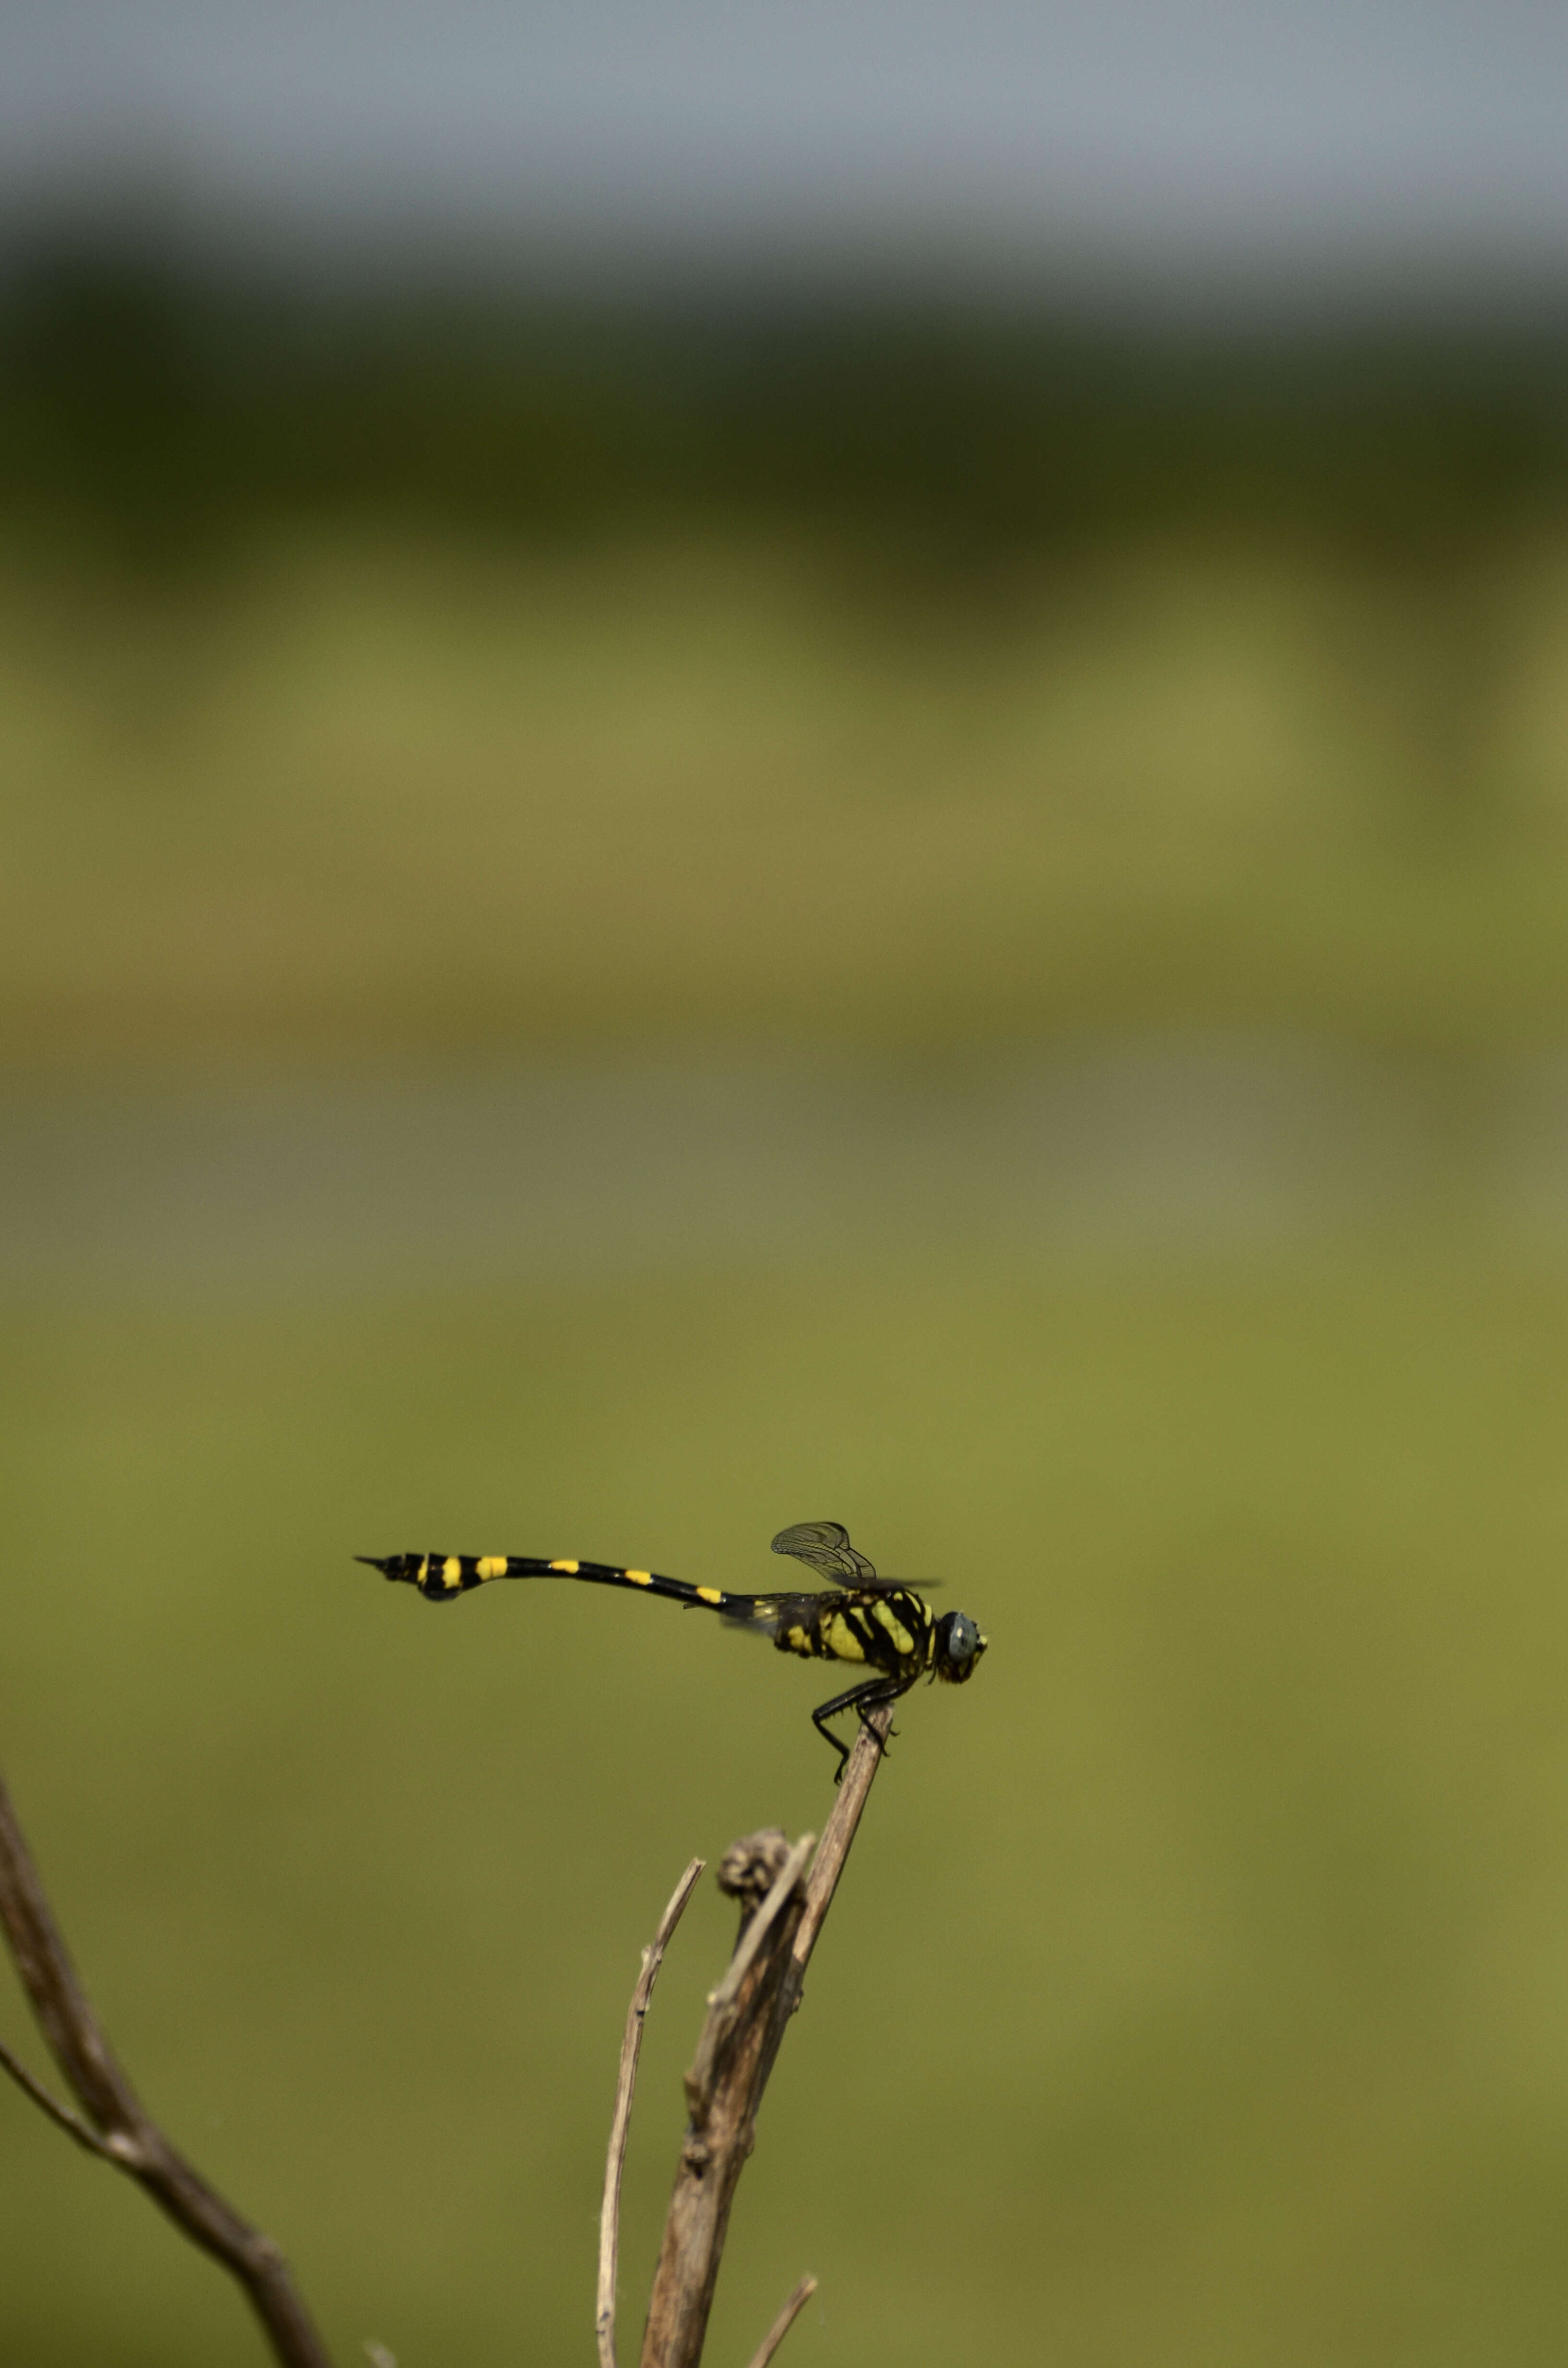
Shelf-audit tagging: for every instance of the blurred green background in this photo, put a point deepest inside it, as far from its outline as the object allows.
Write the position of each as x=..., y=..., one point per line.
x=625, y=927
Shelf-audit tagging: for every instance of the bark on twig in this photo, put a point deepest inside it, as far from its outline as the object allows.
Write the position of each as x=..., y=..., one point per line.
x=747, y=2015
x=117, y=2125
x=621, y=2119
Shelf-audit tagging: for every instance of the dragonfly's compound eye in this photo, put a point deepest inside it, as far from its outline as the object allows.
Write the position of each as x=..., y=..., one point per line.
x=958, y=1647
x=962, y=1637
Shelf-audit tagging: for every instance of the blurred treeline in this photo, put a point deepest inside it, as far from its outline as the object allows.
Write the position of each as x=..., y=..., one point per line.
x=841, y=668
x=165, y=408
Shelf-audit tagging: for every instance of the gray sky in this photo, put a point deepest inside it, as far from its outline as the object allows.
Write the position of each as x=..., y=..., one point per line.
x=1327, y=129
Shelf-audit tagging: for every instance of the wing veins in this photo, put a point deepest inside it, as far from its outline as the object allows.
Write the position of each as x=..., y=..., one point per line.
x=824, y=1548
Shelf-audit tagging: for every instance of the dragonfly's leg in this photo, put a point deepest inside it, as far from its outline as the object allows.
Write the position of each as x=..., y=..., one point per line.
x=872, y=1699
x=861, y=1699
x=827, y=1710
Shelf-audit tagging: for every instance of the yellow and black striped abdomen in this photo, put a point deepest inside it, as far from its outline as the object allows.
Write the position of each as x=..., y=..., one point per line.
x=440, y=1579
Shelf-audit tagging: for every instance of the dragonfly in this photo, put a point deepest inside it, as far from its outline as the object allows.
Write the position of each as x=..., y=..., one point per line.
x=884, y=1625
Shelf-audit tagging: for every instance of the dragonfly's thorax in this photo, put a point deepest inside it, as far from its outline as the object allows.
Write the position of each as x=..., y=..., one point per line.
x=886, y=1629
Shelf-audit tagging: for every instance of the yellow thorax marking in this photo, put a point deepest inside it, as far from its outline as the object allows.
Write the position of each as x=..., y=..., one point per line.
x=452, y=1571
x=637, y=1578
x=841, y=1641
x=886, y=1617
x=492, y=1565
x=569, y=1569
x=424, y=1570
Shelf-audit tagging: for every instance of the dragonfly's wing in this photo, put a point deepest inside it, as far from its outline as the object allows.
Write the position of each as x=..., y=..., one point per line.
x=824, y=1548
x=766, y=1615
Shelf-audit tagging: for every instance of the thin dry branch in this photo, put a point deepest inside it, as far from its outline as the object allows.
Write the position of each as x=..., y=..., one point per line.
x=117, y=2125
x=747, y=2015
x=865, y=1759
x=621, y=2119
x=783, y=2323
x=48, y=2103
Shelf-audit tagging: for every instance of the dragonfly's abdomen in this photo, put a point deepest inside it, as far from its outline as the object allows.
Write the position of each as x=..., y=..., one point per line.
x=440, y=1579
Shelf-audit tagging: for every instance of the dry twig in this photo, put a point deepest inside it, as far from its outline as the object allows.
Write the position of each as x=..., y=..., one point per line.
x=747, y=2015
x=620, y=2120
x=48, y=2103
x=115, y=2125
x=783, y=2323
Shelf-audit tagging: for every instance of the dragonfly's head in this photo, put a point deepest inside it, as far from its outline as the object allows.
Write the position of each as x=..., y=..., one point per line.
x=958, y=1647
